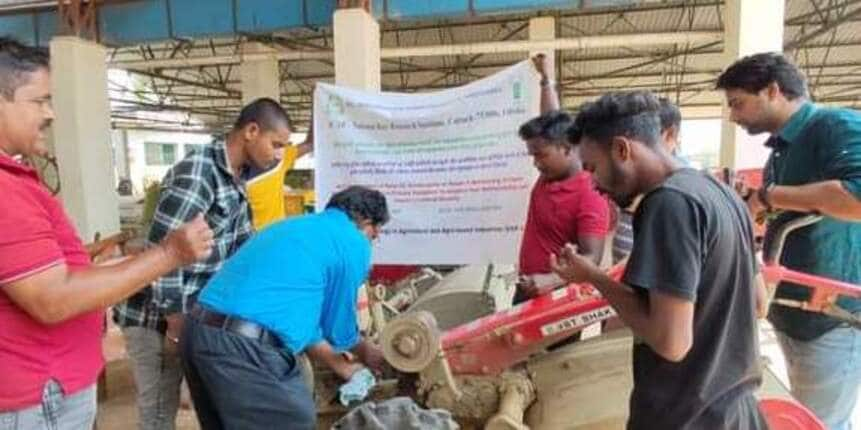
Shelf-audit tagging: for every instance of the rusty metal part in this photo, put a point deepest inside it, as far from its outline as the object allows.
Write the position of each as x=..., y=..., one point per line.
x=402, y=299
x=387, y=302
x=499, y=401
x=102, y=250
x=476, y=398
x=376, y=297
x=349, y=4
x=78, y=18
x=516, y=394
x=411, y=342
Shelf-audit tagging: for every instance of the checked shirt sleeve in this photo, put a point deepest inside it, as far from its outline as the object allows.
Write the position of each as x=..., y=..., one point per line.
x=185, y=192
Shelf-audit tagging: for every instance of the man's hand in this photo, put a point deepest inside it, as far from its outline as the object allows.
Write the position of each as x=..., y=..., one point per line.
x=526, y=285
x=540, y=62
x=308, y=145
x=756, y=206
x=56, y=294
x=573, y=267
x=750, y=195
x=341, y=364
x=741, y=187
x=345, y=369
x=763, y=296
x=532, y=286
x=370, y=355
x=189, y=243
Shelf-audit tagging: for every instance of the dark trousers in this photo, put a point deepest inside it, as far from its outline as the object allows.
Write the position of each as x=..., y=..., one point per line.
x=241, y=383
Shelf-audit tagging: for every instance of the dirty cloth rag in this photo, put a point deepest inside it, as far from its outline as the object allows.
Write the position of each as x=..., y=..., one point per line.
x=357, y=388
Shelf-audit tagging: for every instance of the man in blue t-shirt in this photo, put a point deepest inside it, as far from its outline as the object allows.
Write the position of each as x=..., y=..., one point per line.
x=252, y=318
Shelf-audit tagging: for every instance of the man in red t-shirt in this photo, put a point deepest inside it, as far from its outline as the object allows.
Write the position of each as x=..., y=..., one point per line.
x=51, y=299
x=564, y=206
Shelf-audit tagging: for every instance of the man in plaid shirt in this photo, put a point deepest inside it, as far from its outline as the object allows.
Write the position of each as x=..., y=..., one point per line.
x=209, y=181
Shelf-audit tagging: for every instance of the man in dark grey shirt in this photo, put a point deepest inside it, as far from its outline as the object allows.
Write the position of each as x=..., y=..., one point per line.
x=688, y=290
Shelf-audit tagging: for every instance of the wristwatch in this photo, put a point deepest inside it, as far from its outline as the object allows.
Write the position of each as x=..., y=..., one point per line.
x=762, y=194
x=545, y=82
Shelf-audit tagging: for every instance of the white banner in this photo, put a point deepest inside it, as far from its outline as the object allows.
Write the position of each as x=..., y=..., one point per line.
x=451, y=164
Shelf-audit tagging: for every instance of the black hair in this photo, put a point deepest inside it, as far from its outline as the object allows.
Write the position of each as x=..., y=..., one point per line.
x=634, y=114
x=361, y=203
x=574, y=134
x=757, y=71
x=670, y=114
x=265, y=112
x=16, y=60
x=551, y=126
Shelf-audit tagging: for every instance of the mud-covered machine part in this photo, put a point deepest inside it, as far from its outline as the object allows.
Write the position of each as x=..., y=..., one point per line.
x=411, y=342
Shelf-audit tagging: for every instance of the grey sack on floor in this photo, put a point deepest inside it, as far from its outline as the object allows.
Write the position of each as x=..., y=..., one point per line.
x=400, y=413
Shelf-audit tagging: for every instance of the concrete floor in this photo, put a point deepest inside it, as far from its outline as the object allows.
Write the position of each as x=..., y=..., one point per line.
x=117, y=409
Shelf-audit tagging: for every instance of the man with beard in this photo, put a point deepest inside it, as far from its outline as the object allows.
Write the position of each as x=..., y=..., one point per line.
x=815, y=166
x=52, y=300
x=688, y=289
x=671, y=124
x=564, y=205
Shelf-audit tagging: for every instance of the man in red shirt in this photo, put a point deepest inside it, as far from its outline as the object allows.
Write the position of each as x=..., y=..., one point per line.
x=51, y=299
x=564, y=205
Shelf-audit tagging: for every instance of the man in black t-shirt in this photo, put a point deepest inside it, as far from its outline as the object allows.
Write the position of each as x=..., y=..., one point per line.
x=688, y=290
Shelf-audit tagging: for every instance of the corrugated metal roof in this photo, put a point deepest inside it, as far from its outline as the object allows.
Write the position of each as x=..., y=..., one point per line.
x=830, y=59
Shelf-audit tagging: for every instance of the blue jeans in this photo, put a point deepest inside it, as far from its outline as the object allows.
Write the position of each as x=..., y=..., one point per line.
x=56, y=412
x=825, y=373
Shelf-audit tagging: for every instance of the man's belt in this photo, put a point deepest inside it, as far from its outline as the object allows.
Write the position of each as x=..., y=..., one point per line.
x=236, y=325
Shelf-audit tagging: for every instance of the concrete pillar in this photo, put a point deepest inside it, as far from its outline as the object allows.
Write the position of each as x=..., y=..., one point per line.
x=260, y=78
x=751, y=27
x=82, y=138
x=357, y=49
x=120, y=141
x=544, y=28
